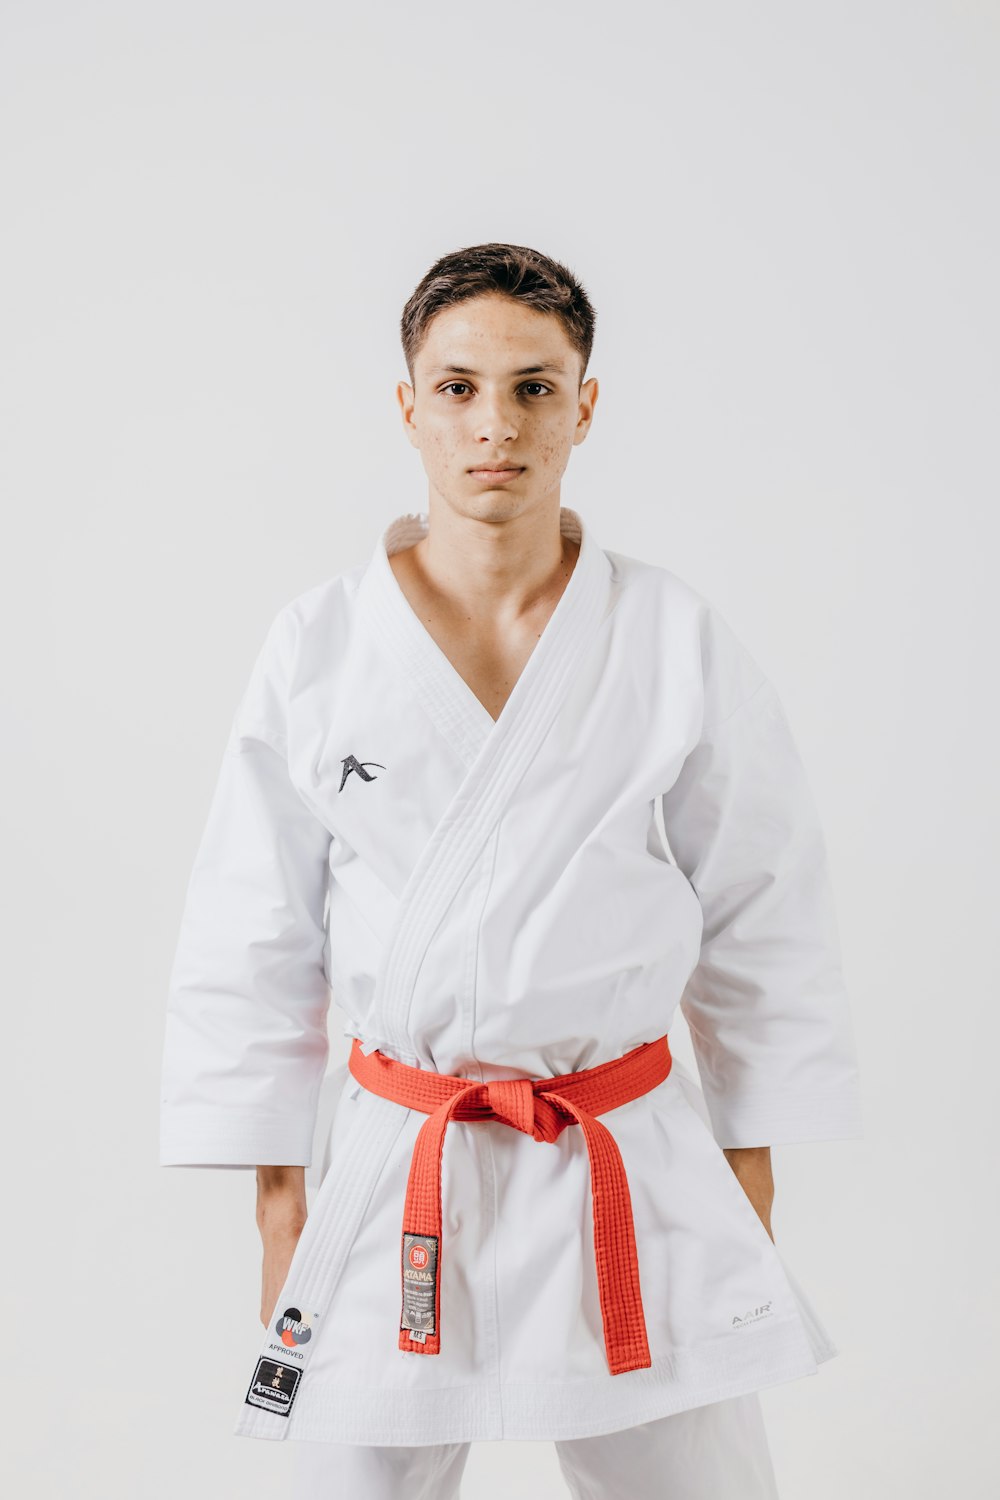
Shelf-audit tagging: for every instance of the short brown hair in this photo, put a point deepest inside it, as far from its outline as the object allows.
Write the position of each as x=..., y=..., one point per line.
x=513, y=270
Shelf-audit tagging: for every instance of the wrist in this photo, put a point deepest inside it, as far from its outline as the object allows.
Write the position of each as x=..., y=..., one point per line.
x=281, y=1220
x=281, y=1199
x=752, y=1164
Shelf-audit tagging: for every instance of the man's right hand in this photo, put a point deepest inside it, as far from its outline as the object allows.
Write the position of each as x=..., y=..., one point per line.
x=281, y=1215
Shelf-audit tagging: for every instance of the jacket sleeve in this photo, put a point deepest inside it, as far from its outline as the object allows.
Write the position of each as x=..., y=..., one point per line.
x=766, y=1005
x=246, y=1040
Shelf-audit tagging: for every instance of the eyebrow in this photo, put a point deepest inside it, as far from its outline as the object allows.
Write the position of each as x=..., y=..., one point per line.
x=527, y=370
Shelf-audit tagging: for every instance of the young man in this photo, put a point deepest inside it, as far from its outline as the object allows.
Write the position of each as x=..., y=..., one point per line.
x=513, y=798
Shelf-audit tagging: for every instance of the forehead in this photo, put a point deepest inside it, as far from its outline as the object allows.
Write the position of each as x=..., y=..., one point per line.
x=492, y=332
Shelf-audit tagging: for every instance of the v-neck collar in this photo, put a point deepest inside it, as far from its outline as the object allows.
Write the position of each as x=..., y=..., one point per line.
x=459, y=714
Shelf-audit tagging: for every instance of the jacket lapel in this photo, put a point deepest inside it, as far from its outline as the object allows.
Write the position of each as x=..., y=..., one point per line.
x=496, y=754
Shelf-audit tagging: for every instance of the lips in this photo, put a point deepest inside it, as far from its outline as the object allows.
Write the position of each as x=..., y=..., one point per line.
x=494, y=478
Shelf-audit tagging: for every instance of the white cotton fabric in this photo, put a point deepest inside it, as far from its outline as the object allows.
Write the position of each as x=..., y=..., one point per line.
x=497, y=900
x=719, y=1451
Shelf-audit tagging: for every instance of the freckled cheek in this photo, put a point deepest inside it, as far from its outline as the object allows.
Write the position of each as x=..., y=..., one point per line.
x=440, y=447
x=550, y=453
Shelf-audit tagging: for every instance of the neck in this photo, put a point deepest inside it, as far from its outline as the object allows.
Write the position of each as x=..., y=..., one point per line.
x=494, y=567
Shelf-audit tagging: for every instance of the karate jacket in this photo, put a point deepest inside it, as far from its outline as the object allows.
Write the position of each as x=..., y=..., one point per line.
x=523, y=897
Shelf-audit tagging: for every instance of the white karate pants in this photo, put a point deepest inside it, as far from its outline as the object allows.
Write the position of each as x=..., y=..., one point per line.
x=714, y=1452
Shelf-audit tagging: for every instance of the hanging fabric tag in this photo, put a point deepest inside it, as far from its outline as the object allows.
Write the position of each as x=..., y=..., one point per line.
x=420, y=1262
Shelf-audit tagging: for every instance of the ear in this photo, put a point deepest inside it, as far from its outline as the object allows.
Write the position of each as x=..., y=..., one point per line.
x=405, y=397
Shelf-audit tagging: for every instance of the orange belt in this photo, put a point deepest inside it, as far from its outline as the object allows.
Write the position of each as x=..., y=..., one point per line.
x=542, y=1108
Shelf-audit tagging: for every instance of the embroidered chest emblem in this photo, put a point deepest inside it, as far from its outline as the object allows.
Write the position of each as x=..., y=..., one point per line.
x=350, y=764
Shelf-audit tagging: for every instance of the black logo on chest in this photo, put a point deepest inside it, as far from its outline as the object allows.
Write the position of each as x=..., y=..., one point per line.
x=350, y=764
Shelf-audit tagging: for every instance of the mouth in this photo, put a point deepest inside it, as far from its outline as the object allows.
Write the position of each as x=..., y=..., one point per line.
x=506, y=471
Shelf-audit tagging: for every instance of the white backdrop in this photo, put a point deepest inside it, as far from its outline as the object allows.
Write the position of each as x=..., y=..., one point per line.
x=786, y=216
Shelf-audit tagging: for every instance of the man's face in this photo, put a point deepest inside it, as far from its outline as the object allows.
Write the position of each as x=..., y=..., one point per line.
x=495, y=384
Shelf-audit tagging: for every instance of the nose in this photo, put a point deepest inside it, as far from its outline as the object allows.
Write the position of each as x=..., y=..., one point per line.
x=496, y=423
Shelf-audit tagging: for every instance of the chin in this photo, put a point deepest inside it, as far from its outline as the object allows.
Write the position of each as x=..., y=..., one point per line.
x=485, y=505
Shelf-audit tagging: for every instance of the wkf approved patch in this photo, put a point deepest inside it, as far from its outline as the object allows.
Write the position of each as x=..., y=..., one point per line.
x=283, y=1355
x=273, y=1386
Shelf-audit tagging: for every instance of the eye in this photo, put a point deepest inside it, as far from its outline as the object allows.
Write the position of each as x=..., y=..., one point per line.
x=461, y=385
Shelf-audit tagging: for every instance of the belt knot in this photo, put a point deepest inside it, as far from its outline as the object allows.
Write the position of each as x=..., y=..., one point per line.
x=513, y=1101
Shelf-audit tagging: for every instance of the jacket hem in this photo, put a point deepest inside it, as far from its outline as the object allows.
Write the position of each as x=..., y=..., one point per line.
x=556, y=1411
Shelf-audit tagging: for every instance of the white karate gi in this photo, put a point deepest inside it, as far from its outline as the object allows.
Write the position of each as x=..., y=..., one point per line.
x=495, y=900
x=715, y=1452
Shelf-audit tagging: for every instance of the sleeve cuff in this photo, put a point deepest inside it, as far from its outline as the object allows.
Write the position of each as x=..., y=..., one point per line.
x=228, y=1138
x=786, y=1119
